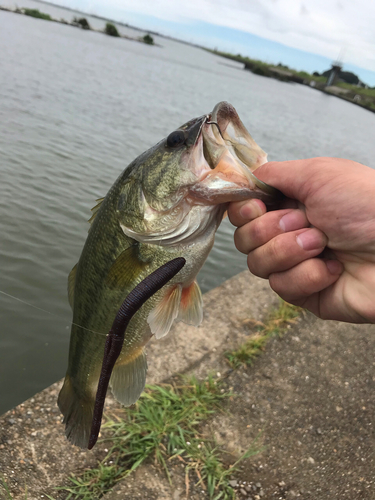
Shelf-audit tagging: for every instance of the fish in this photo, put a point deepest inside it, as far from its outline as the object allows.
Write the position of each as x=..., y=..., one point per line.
x=167, y=203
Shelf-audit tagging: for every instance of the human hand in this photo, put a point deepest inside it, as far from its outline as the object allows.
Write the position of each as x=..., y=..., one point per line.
x=330, y=209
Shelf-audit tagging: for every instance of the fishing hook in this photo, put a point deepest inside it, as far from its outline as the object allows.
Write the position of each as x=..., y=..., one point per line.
x=208, y=122
x=215, y=123
x=115, y=338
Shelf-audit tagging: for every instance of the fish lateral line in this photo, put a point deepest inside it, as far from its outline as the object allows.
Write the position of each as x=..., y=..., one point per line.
x=115, y=338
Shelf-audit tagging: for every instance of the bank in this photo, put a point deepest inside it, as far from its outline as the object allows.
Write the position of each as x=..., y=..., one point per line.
x=305, y=403
x=365, y=98
x=110, y=27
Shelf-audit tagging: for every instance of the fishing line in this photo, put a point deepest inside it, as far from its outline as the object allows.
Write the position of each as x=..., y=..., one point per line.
x=206, y=121
x=51, y=313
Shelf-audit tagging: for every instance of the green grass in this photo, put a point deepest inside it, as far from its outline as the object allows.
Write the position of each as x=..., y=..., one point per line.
x=205, y=461
x=357, y=90
x=4, y=485
x=308, y=76
x=9, y=496
x=163, y=426
x=36, y=13
x=276, y=324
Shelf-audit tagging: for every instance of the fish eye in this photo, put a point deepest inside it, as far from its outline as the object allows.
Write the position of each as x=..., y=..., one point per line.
x=175, y=139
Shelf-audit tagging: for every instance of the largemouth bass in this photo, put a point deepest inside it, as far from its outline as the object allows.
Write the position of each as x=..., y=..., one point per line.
x=167, y=203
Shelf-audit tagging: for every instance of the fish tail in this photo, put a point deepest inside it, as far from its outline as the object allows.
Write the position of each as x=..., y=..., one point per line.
x=78, y=412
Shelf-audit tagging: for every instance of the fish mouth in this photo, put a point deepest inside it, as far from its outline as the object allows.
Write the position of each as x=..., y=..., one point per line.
x=230, y=155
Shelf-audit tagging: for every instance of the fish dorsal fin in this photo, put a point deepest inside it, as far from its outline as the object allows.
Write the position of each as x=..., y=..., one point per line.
x=126, y=268
x=128, y=378
x=191, y=305
x=95, y=209
x=71, y=285
x=165, y=312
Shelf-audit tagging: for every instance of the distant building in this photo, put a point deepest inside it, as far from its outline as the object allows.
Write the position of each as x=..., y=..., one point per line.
x=334, y=74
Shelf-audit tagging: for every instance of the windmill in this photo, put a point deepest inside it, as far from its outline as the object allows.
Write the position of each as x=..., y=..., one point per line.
x=336, y=67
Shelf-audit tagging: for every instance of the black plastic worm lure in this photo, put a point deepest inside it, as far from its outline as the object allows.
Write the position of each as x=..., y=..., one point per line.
x=115, y=338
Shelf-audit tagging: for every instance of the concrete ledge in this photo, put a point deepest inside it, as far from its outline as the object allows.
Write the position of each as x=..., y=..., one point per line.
x=33, y=449
x=311, y=393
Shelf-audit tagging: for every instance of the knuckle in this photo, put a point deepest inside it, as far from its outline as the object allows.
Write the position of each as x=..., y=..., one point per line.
x=257, y=231
x=280, y=284
x=312, y=281
x=275, y=250
x=253, y=265
x=233, y=214
x=240, y=239
x=276, y=283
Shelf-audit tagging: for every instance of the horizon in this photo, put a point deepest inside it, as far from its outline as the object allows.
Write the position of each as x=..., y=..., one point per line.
x=191, y=26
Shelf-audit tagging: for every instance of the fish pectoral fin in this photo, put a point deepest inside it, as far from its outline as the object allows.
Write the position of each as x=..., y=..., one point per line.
x=126, y=268
x=128, y=378
x=165, y=312
x=71, y=284
x=191, y=305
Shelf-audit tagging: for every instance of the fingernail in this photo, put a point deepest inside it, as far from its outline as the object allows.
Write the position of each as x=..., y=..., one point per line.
x=291, y=221
x=312, y=239
x=334, y=266
x=251, y=210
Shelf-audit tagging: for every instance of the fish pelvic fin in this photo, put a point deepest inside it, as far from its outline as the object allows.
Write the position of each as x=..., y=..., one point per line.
x=161, y=317
x=191, y=305
x=128, y=378
x=183, y=304
x=78, y=412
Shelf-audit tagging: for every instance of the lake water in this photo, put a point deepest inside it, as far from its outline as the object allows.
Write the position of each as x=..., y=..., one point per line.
x=75, y=108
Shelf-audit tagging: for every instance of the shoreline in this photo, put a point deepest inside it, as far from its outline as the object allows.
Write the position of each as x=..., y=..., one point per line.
x=260, y=68
x=77, y=25
x=306, y=399
x=288, y=75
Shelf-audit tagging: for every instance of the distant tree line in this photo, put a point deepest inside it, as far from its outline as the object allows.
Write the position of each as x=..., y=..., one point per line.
x=110, y=29
x=36, y=13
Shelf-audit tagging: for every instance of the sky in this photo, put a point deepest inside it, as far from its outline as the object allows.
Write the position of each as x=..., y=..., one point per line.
x=304, y=34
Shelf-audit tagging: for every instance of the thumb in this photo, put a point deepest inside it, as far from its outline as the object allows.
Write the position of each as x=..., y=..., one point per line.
x=292, y=178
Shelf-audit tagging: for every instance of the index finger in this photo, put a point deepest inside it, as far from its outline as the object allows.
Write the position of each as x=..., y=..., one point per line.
x=241, y=212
